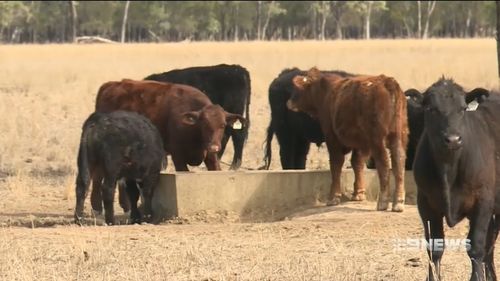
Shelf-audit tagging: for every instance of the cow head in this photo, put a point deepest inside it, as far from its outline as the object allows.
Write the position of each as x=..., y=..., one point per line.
x=211, y=122
x=445, y=107
x=304, y=89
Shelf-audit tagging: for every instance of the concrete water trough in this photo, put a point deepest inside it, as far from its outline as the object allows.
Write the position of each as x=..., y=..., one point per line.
x=256, y=195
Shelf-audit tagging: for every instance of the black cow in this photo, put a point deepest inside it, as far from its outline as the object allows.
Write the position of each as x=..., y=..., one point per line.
x=295, y=131
x=114, y=146
x=457, y=171
x=415, y=114
x=226, y=85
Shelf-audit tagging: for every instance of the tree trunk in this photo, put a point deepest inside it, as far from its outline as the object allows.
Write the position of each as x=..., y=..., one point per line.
x=430, y=9
x=124, y=22
x=407, y=27
x=266, y=24
x=419, y=20
x=314, y=27
x=367, y=19
x=468, y=23
x=236, y=27
x=259, y=16
x=498, y=36
x=74, y=20
x=324, y=15
x=335, y=8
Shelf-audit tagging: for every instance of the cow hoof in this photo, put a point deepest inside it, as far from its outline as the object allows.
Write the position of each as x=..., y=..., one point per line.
x=382, y=205
x=398, y=207
x=78, y=220
x=358, y=197
x=334, y=202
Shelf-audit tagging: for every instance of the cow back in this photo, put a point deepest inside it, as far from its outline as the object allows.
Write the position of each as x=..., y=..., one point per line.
x=366, y=108
x=157, y=101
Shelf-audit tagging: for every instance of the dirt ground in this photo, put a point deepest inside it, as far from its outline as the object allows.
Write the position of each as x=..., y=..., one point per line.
x=348, y=242
x=47, y=91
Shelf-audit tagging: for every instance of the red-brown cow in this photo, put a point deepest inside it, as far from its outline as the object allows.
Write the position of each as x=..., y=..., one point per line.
x=364, y=114
x=190, y=126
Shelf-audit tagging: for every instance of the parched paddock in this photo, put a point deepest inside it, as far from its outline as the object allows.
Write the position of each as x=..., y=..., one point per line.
x=304, y=241
x=348, y=242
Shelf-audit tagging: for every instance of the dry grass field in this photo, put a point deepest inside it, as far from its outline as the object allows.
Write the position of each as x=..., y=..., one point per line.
x=47, y=91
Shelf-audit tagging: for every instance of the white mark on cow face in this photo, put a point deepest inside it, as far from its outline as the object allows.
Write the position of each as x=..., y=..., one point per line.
x=304, y=79
x=368, y=84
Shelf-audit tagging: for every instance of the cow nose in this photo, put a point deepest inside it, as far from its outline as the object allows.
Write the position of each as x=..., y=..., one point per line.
x=453, y=141
x=213, y=148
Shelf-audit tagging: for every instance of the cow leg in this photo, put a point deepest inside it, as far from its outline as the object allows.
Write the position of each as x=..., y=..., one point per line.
x=335, y=150
x=358, y=159
x=108, y=195
x=287, y=151
x=123, y=197
x=148, y=187
x=479, y=224
x=224, y=141
x=382, y=165
x=180, y=165
x=433, y=229
x=238, y=137
x=212, y=162
x=398, y=157
x=489, y=261
x=300, y=154
x=133, y=194
x=95, y=195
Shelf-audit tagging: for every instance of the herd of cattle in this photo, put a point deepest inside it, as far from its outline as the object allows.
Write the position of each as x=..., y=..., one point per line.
x=450, y=137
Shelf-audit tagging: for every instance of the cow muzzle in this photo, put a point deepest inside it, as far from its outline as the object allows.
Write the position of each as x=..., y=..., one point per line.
x=290, y=105
x=453, y=141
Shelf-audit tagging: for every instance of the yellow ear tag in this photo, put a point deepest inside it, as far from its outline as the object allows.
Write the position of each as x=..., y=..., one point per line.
x=237, y=125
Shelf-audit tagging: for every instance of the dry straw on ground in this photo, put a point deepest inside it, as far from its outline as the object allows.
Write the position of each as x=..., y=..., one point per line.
x=47, y=91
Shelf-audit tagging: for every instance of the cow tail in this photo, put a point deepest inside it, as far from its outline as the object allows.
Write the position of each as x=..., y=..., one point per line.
x=267, y=147
x=247, y=106
x=400, y=115
x=83, y=176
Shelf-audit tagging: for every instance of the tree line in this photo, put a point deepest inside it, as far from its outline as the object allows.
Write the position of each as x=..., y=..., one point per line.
x=165, y=21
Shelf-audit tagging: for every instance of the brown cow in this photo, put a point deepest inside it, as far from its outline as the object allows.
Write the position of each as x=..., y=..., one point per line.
x=364, y=114
x=190, y=126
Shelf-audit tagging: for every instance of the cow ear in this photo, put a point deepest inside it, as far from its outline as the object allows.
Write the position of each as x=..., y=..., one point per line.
x=314, y=74
x=301, y=82
x=414, y=95
x=190, y=118
x=236, y=121
x=478, y=94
